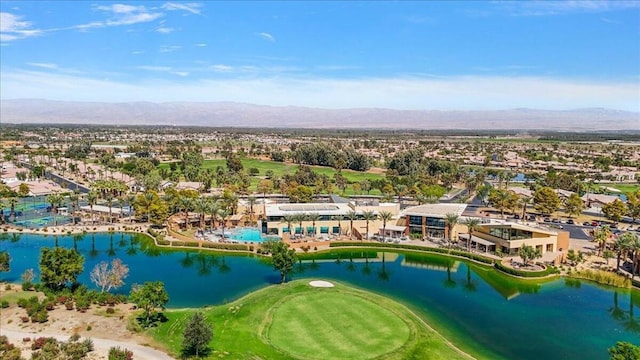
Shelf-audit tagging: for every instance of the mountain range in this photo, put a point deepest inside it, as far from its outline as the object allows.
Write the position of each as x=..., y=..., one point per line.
x=229, y=114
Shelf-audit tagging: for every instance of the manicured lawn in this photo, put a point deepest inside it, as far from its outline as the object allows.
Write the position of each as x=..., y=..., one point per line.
x=13, y=297
x=280, y=169
x=321, y=324
x=625, y=188
x=297, y=321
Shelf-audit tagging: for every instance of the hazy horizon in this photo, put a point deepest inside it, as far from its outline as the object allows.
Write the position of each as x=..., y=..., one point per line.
x=331, y=55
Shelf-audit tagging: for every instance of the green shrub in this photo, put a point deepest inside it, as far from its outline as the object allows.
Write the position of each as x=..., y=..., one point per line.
x=27, y=285
x=4, y=304
x=223, y=246
x=459, y=253
x=604, y=277
x=163, y=242
x=115, y=353
x=529, y=274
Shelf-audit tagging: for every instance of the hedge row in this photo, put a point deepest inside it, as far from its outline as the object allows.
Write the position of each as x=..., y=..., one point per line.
x=163, y=242
x=464, y=254
x=237, y=247
x=532, y=274
x=635, y=283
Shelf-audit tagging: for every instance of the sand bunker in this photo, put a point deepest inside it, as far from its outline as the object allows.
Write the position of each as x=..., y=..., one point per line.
x=321, y=284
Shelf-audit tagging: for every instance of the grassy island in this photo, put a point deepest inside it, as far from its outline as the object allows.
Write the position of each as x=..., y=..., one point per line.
x=297, y=321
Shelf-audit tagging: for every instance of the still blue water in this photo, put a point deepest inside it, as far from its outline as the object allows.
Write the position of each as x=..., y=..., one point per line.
x=476, y=307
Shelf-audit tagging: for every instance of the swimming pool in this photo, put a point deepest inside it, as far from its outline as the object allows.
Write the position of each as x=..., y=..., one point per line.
x=248, y=234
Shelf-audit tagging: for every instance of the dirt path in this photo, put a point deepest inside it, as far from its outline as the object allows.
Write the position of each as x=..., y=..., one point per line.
x=101, y=345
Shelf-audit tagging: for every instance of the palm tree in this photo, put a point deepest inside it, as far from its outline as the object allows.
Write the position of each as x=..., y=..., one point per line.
x=351, y=215
x=313, y=217
x=634, y=247
x=472, y=225
x=92, y=198
x=201, y=206
x=451, y=221
x=2, y=221
x=108, y=197
x=223, y=219
x=55, y=200
x=288, y=219
x=299, y=218
x=184, y=204
x=213, y=209
x=251, y=200
x=622, y=245
x=601, y=236
x=367, y=216
x=74, y=198
x=339, y=219
x=385, y=216
x=13, y=201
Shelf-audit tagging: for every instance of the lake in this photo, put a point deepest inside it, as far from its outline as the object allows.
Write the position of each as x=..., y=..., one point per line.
x=478, y=308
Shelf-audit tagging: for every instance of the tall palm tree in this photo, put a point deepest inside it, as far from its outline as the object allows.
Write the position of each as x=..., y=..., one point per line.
x=288, y=219
x=213, y=209
x=339, y=219
x=451, y=220
x=92, y=198
x=313, y=217
x=472, y=225
x=13, y=201
x=185, y=204
x=223, y=219
x=385, y=216
x=251, y=200
x=351, y=216
x=73, y=199
x=634, y=247
x=601, y=236
x=2, y=220
x=622, y=245
x=54, y=200
x=201, y=206
x=108, y=197
x=367, y=216
x=299, y=218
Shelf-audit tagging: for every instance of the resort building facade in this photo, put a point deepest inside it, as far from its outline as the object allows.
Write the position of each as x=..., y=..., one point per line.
x=323, y=219
x=508, y=238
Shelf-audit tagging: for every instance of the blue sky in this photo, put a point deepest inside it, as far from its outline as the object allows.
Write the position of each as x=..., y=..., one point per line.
x=463, y=55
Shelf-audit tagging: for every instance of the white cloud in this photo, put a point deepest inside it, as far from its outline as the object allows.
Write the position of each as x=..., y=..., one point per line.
x=154, y=68
x=120, y=14
x=543, y=8
x=165, y=30
x=459, y=93
x=222, y=68
x=267, y=36
x=193, y=8
x=12, y=27
x=201, y=45
x=137, y=52
x=169, y=48
x=43, y=65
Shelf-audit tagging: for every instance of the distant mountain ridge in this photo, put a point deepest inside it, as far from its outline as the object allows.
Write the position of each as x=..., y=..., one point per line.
x=229, y=114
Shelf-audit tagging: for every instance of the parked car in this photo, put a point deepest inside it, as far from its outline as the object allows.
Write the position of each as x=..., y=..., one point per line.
x=586, y=223
x=547, y=220
x=555, y=221
x=570, y=222
x=594, y=223
x=613, y=226
x=532, y=218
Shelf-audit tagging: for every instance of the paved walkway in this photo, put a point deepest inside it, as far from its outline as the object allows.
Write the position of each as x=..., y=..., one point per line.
x=139, y=352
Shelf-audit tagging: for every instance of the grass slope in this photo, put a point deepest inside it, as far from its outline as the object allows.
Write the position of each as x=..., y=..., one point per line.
x=279, y=322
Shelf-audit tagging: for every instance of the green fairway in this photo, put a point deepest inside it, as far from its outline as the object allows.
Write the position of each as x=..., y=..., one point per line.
x=624, y=188
x=297, y=321
x=323, y=323
x=280, y=169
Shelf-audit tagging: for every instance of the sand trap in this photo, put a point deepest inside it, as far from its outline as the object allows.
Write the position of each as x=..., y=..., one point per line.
x=321, y=284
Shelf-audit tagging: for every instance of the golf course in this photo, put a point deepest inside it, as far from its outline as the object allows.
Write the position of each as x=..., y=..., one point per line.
x=298, y=321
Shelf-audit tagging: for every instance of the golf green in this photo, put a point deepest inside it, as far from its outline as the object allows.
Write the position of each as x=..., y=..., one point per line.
x=329, y=323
